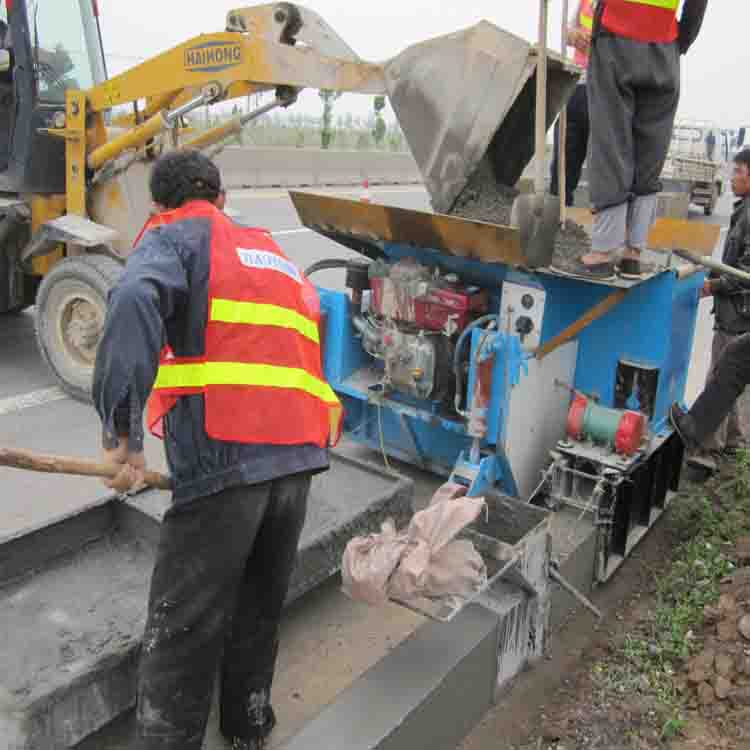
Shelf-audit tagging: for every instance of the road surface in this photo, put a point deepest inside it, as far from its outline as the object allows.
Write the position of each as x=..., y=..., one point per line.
x=34, y=414
x=328, y=640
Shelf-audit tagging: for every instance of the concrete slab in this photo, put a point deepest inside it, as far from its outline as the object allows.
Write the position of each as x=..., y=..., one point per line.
x=73, y=599
x=426, y=693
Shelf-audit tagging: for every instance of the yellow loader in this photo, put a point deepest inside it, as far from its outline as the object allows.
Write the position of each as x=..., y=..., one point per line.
x=74, y=168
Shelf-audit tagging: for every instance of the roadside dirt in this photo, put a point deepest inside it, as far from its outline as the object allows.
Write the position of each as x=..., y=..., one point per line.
x=650, y=675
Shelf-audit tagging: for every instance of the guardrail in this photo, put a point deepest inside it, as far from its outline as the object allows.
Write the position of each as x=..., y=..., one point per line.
x=244, y=167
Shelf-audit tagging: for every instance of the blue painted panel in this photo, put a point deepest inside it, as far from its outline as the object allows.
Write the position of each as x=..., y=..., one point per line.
x=681, y=338
x=414, y=440
x=343, y=353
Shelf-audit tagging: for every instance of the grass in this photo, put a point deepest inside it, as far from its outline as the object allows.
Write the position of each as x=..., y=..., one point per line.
x=705, y=523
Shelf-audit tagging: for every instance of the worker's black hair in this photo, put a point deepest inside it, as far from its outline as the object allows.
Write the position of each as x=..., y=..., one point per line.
x=182, y=176
x=743, y=157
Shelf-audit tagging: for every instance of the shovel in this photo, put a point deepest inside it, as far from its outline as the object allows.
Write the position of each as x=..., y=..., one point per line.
x=562, y=164
x=537, y=216
x=20, y=459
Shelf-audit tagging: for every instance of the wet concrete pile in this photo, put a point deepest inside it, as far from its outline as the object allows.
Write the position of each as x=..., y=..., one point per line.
x=485, y=199
x=572, y=241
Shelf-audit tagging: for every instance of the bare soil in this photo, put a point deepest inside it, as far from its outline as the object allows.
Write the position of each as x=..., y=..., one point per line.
x=616, y=688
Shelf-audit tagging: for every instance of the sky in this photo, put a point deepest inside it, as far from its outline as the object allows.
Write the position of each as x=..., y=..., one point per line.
x=715, y=78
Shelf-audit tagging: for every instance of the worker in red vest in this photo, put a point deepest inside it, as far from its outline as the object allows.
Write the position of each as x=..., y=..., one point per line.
x=247, y=415
x=634, y=89
x=577, y=131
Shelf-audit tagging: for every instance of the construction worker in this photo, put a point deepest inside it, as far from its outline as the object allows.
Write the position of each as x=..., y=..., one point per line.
x=577, y=130
x=248, y=417
x=719, y=422
x=634, y=88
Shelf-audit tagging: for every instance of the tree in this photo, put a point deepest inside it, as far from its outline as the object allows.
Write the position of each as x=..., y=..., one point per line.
x=326, y=131
x=379, y=129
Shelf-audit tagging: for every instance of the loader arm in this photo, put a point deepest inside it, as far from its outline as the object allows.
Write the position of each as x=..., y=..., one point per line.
x=266, y=47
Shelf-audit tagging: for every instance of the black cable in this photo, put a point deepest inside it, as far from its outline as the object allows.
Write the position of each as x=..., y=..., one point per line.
x=326, y=265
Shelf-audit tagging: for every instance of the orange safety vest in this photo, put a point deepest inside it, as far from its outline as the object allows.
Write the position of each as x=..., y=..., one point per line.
x=261, y=375
x=585, y=21
x=642, y=20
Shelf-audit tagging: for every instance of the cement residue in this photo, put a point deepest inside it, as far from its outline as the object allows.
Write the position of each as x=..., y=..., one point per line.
x=60, y=622
x=484, y=199
x=572, y=241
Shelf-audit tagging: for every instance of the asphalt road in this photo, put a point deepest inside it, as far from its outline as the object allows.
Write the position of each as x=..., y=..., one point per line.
x=34, y=414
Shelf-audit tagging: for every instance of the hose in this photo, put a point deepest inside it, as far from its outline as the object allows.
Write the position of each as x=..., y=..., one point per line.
x=326, y=265
x=457, y=355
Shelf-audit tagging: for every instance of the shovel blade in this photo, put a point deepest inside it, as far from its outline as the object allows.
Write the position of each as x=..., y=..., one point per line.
x=537, y=217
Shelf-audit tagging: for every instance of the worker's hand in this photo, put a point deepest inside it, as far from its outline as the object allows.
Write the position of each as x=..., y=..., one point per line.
x=580, y=39
x=707, y=290
x=133, y=467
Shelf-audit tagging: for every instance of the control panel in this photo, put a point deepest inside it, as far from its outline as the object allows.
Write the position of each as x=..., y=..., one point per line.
x=522, y=306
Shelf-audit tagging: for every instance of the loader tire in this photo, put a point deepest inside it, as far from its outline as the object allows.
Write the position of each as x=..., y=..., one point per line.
x=71, y=306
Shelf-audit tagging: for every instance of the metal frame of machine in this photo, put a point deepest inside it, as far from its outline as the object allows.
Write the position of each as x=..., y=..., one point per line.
x=409, y=381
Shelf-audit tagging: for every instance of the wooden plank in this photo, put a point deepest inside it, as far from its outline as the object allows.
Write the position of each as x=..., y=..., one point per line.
x=592, y=315
x=694, y=236
x=667, y=234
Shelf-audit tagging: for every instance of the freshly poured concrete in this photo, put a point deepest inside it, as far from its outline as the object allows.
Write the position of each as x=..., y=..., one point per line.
x=73, y=600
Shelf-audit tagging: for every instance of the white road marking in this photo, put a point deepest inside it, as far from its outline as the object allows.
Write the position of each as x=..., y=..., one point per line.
x=282, y=232
x=23, y=401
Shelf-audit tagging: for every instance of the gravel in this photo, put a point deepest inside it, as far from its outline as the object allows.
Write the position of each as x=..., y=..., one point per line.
x=484, y=199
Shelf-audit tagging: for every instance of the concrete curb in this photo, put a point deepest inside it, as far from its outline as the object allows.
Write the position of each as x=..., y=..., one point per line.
x=78, y=698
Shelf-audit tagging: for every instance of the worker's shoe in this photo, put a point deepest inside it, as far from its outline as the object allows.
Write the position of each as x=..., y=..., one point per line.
x=704, y=464
x=631, y=269
x=604, y=271
x=257, y=741
x=684, y=426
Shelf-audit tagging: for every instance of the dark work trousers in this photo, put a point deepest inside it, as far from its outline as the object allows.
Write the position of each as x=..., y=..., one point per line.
x=576, y=144
x=727, y=382
x=222, y=572
x=633, y=90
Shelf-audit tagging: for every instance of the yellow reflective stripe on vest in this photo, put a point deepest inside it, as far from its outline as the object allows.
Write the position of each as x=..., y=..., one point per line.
x=204, y=374
x=253, y=313
x=666, y=4
x=587, y=22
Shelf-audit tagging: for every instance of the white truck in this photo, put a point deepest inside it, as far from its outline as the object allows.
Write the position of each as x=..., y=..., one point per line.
x=697, y=154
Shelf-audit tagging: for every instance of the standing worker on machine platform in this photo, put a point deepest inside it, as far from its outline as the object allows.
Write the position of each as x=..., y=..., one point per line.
x=577, y=131
x=634, y=88
x=248, y=419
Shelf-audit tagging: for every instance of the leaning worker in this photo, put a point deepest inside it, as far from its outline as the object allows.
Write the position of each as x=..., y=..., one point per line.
x=722, y=414
x=633, y=87
x=247, y=416
x=577, y=130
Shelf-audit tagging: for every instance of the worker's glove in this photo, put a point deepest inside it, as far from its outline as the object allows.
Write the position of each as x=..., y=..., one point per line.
x=133, y=467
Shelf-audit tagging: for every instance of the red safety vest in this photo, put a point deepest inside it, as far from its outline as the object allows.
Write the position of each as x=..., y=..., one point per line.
x=261, y=374
x=642, y=20
x=585, y=21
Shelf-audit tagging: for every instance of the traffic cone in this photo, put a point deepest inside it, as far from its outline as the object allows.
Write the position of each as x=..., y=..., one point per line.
x=365, y=197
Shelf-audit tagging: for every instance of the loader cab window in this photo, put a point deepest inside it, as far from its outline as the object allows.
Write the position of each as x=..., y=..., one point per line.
x=59, y=47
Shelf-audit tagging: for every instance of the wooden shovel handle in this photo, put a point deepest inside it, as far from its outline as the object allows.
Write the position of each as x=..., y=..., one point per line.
x=21, y=459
